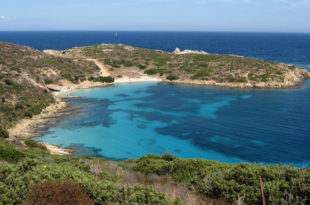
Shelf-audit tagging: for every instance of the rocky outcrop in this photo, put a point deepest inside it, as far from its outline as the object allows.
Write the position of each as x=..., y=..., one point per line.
x=186, y=51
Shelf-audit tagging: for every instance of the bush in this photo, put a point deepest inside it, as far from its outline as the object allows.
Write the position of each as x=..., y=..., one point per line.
x=3, y=133
x=34, y=144
x=107, y=61
x=28, y=113
x=172, y=77
x=9, y=153
x=155, y=71
x=59, y=192
x=283, y=184
x=128, y=64
x=204, y=72
x=8, y=82
x=48, y=81
x=142, y=67
x=114, y=65
x=107, y=192
x=107, y=79
x=49, y=180
x=151, y=71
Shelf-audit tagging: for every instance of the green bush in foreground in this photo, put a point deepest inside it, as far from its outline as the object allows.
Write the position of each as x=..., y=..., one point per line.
x=283, y=184
x=9, y=153
x=17, y=179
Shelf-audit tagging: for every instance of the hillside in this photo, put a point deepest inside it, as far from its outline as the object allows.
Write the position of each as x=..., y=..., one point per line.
x=151, y=179
x=29, y=174
x=24, y=75
x=124, y=61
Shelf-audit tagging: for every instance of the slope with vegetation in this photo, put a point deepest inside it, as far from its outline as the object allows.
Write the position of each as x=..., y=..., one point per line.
x=191, y=67
x=31, y=175
x=24, y=75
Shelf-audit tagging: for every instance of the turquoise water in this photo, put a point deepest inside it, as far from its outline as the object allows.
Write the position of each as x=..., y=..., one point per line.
x=229, y=125
x=128, y=121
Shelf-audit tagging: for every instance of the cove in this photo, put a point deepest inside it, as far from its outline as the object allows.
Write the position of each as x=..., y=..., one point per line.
x=229, y=125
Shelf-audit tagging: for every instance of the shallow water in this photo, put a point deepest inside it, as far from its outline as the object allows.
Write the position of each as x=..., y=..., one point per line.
x=230, y=125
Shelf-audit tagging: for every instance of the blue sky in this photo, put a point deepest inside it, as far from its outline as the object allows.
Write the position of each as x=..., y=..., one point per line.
x=180, y=15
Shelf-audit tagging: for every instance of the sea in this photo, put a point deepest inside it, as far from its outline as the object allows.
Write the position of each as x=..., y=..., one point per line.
x=125, y=121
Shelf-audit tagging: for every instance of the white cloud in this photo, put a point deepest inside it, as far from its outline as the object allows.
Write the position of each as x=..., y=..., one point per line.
x=4, y=18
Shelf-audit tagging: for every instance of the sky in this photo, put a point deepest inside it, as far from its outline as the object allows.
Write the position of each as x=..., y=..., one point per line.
x=156, y=15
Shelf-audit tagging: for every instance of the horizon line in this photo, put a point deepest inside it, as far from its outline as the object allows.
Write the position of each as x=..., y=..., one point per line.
x=184, y=31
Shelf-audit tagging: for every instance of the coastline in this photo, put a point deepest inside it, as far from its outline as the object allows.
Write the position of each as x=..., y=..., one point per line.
x=28, y=128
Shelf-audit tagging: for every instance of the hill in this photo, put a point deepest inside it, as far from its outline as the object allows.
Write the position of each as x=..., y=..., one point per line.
x=123, y=61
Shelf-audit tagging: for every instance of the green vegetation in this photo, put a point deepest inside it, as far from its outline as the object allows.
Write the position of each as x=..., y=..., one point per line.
x=3, y=133
x=211, y=67
x=205, y=72
x=34, y=144
x=283, y=184
x=24, y=176
x=142, y=67
x=23, y=97
x=36, y=175
x=172, y=77
x=48, y=81
x=9, y=153
x=154, y=71
x=102, y=79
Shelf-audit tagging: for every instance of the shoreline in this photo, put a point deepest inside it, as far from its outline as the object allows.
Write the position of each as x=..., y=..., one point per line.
x=28, y=128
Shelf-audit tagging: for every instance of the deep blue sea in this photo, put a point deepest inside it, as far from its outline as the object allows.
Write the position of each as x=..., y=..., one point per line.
x=230, y=125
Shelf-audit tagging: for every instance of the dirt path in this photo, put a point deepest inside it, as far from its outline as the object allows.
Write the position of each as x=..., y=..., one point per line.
x=104, y=70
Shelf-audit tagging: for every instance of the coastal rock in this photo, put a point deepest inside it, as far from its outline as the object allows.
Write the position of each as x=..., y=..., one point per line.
x=186, y=51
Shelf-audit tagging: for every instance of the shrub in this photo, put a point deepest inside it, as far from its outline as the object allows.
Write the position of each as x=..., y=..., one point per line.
x=34, y=144
x=161, y=61
x=8, y=82
x=151, y=71
x=28, y=113
x=142, y=67
x=155, y=71
x=114, y=65
x=48, y=81
x=172, y=77
x=3, y=133
x=128, y=64
x=107, y=79
x=107, y=61
x=59, y=192
x=107, y=192
x=9, y=153
x=283, y=184
x=204, y=72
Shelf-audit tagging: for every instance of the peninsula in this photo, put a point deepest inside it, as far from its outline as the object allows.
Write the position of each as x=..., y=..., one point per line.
x=191, y=67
